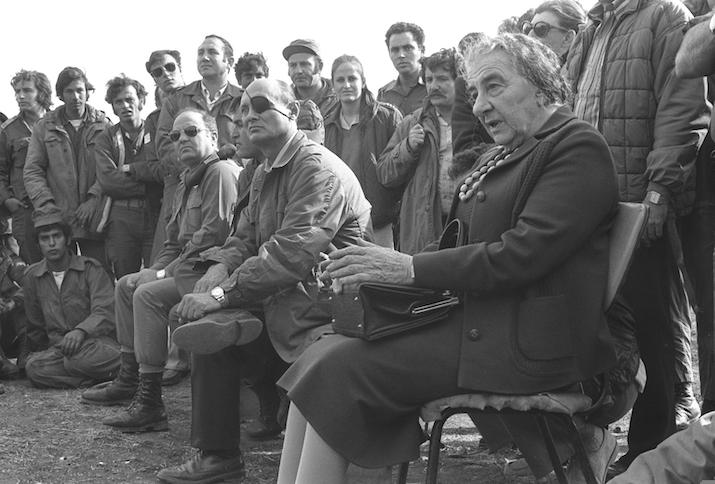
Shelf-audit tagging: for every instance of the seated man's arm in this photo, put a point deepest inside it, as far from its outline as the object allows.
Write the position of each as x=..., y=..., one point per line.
x=218, y=195
x=315, y=211
x=36, y=332
x=100, y=322
x=230, y=256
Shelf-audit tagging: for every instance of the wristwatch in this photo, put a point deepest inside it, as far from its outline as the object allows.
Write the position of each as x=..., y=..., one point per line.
x=218, y=294
x=711, y=25
x=161, y=274
x=654, y=198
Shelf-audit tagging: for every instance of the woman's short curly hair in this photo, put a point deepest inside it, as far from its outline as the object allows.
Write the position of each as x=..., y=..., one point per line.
x=532, y=59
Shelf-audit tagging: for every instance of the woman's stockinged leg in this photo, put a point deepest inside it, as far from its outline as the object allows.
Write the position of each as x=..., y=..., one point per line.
x=319, y=463
x=292, y=446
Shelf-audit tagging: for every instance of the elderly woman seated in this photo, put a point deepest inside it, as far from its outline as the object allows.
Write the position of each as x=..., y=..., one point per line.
x=531, y=276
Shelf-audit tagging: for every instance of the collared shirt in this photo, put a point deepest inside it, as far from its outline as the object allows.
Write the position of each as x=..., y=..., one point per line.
x=85, y=301
x=207, y=95
x=283, y=156
x=588, y=96
x=405, y=98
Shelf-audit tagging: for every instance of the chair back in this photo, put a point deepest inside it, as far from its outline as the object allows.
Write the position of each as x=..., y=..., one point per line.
x=628, y=226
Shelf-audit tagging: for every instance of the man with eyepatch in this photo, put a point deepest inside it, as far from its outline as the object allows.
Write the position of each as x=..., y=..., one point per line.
x=200, y=219
x=303, y=198
x=621, y=69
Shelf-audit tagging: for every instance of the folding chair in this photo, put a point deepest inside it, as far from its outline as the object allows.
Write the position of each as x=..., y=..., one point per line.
x=623, y=239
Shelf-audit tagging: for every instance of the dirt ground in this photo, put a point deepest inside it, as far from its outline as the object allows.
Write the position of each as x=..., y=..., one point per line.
x=49, y=437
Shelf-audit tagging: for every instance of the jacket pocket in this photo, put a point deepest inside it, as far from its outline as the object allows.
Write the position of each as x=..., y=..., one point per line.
x=543, y=329
x=193, y=215
x=19, y=151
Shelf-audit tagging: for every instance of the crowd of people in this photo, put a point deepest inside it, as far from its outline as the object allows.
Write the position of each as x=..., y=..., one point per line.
x=195, y=240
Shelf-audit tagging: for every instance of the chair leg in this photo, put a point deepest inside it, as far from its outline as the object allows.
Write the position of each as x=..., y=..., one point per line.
x=551, y=448
x=402, y=474
x=581, y=455
x=434, y=445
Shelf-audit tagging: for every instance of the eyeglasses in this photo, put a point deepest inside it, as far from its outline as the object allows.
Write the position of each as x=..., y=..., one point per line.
x=190, y=131
x=159, y=71
x=261, y=104
x=541, y=29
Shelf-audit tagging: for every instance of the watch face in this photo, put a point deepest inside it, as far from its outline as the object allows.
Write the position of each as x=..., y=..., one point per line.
x=217, y=292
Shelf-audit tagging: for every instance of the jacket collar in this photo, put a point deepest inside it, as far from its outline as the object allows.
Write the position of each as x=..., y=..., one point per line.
x=194, y=90
x=91, y=115
x=556, y=121
x=193, y=176
x=41, y=268
x=291, y=148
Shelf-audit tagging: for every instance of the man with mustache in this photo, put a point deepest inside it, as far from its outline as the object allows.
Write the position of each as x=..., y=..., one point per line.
x=304, y=67
x=406, y=46
x=59, y=171
x=419, y=157
x=119, y=149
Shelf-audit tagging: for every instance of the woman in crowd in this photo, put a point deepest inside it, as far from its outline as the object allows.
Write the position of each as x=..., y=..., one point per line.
x=357, y=130
x=556, y=23
x=537, y=210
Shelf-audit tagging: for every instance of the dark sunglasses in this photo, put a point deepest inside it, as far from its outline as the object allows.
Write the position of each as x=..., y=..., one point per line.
x=541, y=29
x=190, y=131
x=261, y=104
x=159, y=71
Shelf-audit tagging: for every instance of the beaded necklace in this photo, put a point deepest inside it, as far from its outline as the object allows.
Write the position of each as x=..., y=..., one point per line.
x=472, y=182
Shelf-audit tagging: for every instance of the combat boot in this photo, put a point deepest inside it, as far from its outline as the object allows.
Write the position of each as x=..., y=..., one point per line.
x=146, y=413
x=119, y=391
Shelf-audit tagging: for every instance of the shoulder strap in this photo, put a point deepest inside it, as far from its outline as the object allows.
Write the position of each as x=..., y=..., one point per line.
x=119, y=142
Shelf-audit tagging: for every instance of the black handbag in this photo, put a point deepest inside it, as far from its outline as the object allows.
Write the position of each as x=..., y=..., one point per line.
x=378, y=310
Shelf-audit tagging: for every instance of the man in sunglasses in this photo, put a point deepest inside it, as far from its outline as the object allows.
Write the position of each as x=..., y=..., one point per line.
x=621, y=72
x=200, y=219
x=303, y=199
x=304, y=68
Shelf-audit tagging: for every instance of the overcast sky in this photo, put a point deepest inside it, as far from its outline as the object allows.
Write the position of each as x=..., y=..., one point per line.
x=119, y=35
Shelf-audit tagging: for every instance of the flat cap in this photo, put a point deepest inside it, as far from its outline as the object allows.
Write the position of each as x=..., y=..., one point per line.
x=301, y=46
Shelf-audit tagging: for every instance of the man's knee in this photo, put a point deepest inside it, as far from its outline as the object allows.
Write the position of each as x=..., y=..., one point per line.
x=122, y=289
x=41, y=370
